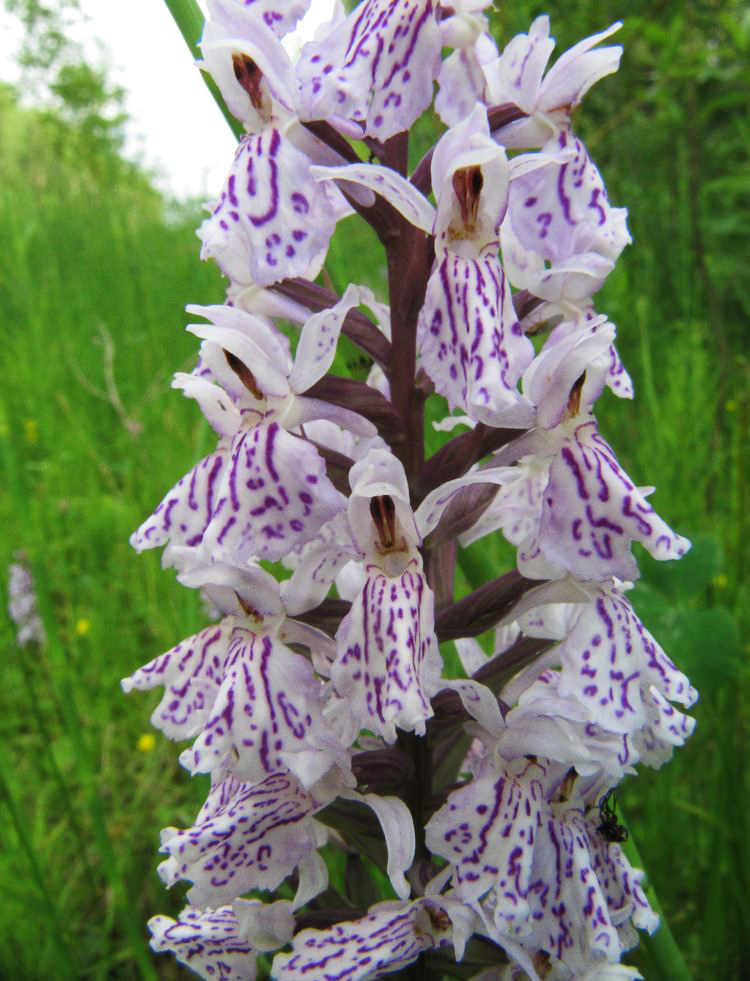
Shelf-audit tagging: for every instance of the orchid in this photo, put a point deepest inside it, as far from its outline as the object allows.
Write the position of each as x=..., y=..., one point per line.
x=326, y=703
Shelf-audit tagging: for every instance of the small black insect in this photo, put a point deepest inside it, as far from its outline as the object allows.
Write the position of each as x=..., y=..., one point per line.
x=608, y=826
x=358, y=365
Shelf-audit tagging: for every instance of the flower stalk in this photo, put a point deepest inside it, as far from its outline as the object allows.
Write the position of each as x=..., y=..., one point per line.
x=327, y=702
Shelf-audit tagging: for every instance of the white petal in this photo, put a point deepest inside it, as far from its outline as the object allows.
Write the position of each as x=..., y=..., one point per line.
x=206, y=941
x=398, y=830
x=431, y=509
x=317, y=343
x=397, y=190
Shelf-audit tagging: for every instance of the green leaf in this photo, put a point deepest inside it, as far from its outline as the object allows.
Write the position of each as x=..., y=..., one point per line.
x=706, y=645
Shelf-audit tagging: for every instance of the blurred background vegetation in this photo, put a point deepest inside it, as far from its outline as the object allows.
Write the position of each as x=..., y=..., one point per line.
x=95, y=270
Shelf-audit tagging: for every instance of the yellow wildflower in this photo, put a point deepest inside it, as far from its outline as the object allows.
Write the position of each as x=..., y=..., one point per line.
x=146, y=742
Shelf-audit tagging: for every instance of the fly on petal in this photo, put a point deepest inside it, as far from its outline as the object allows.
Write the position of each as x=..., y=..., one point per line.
x=569, y=911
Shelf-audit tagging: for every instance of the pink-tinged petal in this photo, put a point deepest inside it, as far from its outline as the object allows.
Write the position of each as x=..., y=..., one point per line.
x=486, y=831
x=273, y=221
x=209, y=942
x=392, y=936
x=591, y=512
x=191, y=674
x=317, y=342
x=477, y=699
x=376, y=67
x=618, y=380
x=280, y=15
x=306, y=410
x=186, y=510
x=471, y=653
x=246, y=836
x=389, y=184
x=267, y=709
x=267, y=926
x=274, y=496
x=471, y=343
x=560, y=209
x=312, y=879
x=666, y=726
x=577, y=70
x=388, y=665
x=516, y=76
x=569, y=911
x=547, y=725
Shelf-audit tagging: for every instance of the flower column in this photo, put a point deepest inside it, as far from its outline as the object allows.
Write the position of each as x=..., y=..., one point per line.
x=319, y=703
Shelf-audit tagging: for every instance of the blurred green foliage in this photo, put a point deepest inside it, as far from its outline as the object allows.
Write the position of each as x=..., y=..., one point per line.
x=95, y=271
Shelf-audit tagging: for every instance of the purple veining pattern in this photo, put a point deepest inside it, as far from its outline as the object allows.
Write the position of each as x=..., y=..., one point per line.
x=360, y=950
x=486, y=831
x=388, y=664
x=619, y=881
x=280, y=15
x=666, y=728
x=610, y=662
x=191, y=673
x=546, y=724
x=247, y=836
x=569, y=914
x=375, y=68
x=274, y=496
x=183, y=514
x=206, y=941
x=591, y=511
x=618, y=379
x=561, y=209
x=273, y=221
x=470, y=341
x=268, y=705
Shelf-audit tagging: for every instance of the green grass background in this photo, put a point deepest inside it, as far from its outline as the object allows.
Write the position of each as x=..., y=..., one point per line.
x=95, y=271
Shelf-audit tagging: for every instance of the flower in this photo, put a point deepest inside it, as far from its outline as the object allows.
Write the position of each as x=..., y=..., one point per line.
x=323, y=701
x=22, y=603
